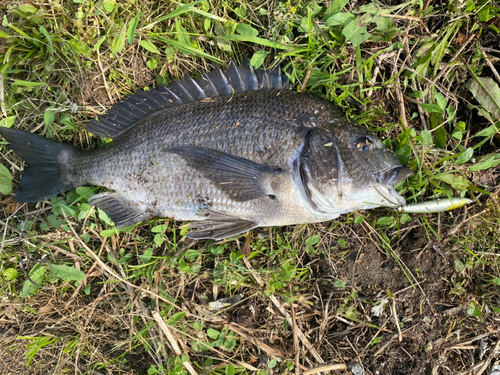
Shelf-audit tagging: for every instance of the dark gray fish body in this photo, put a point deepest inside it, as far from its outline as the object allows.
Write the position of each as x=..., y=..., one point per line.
x=230, y=156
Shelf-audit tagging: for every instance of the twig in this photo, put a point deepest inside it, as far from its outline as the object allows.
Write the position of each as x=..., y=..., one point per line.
x=2, y=97
x=258, y=343
x=396, y=320
x=285, y=313
x=492, y=67
x=326, y=368
x=172, y=341
x=296, y=347
x=306, y=79
x=443, y=71
x=91, y=254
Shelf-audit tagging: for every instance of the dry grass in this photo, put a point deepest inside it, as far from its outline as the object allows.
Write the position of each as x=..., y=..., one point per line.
x=350, y=296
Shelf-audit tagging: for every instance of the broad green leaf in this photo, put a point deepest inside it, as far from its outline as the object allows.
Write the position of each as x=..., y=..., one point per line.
x=457, y=182
x=49, y=116
x=159, y=228
x=340, y=19
x=10, y=274
x=439, y=132
x=108, y=6
x=108, y=232
x=152, y=64
x=241, y=11
x=488, y=132
x=473, y=310
x=487, y=93
x=258, y=58
x=44, y=31
x=104, y=217
x=182, y=34
x=431, y=108
x=313, y=240
x=158, y=239
x=426, y=137
x=339, y=283
x=441, y=101
x=489, y=162
x=146, y=257
x=207, y=24
x=7, y=122
x=405, y=218
x=336, y=6
x=27, y=8
x=119, y=41
x=84, y=192
x=146, y=44
x=55, y=221
x=84, y=210
x=245, y=29
x=132, y=27
x=81, y=48
x=230, y=370
x=385, y=220
x=176, y=318
x=5, y=180
x=213, y=334
x=464, y=156
x=99, y=42
x=356, y=33
x=64, y=272
x=459, y=265
x=359, y=219
x=37, y=274
x=459, y=131
x=229, y=344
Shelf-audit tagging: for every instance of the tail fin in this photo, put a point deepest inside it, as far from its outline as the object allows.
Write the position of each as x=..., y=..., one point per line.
x=44, y=176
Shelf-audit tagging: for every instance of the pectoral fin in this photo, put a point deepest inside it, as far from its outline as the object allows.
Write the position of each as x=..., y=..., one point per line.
x=119, y=209
x=241, y=179
x=218, y=226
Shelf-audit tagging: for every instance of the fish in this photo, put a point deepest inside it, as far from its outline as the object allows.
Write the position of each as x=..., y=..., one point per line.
x=229, y=151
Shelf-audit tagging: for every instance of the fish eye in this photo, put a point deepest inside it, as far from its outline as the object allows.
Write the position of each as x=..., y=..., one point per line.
x=364, y=144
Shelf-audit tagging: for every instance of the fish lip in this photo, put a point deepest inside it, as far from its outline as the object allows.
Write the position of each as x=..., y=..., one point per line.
x=391, y=177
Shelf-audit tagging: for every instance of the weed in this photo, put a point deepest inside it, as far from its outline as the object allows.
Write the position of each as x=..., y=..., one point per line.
x=423, y=75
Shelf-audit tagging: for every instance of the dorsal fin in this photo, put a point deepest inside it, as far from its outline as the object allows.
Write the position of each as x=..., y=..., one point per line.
x=235, y=79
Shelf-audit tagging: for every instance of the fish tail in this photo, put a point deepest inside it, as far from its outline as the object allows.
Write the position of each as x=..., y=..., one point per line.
x=47, y=165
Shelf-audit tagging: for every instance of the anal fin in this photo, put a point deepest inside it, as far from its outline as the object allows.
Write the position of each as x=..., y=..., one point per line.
x=120, y=210
x=218, y=226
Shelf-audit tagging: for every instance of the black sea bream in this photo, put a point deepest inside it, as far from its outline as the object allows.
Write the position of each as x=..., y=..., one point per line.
x=230, y=151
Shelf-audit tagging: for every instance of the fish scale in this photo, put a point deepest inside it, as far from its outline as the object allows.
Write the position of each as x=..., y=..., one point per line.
x=231, y=150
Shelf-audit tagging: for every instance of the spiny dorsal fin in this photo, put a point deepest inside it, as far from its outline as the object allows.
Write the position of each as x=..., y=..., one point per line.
x=235, y=79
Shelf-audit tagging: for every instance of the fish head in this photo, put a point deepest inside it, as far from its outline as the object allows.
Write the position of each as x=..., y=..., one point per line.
x=350, y=169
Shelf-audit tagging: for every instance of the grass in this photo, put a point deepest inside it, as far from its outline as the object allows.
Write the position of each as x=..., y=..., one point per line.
x=388, y=292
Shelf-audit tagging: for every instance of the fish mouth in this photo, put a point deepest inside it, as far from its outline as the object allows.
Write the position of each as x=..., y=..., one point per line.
x=391, y=177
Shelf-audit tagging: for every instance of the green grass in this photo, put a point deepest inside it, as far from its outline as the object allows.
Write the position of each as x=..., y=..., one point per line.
x=421, y=76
